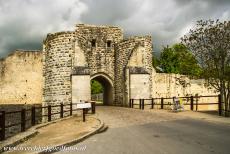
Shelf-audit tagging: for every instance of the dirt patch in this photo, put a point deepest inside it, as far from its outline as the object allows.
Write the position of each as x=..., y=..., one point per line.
x=60, y=132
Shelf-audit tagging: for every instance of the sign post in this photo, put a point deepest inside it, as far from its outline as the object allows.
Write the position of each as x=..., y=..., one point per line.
x=84, y=107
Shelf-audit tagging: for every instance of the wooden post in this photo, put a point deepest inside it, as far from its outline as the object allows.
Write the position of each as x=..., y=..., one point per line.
x=2, y=125
x=152, y=102
x=23, y=120
x=196, y=97
x=162, y=103
x=196, y=103
x=61, y=110
x=86, y=109
x=71, y=109
x=191, y=104
x=219, y=105
x=132, y=102
x=143, y=104
x=83, y=113
x=140, y=103
x=33, y=115
x=49, y=113
x=93, y=105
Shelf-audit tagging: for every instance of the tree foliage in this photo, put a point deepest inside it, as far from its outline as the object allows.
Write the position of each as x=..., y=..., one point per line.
x=210, y=43
x=96, y=87
x=178, y=59
x=155, y=62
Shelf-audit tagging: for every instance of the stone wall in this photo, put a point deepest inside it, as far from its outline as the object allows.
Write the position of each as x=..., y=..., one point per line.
x=127, y=55
x=80, y=88
x=99, y=57
x=16, y=117
x=139, y=86
x=21, y=78
x=95, y=52
x=170, y=85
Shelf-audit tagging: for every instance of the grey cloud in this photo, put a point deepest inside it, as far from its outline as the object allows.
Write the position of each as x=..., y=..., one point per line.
x=108, y=11
x=25, y=23
x=166, y=21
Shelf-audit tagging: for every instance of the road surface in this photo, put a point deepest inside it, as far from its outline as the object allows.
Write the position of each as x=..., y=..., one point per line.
x=133, y=131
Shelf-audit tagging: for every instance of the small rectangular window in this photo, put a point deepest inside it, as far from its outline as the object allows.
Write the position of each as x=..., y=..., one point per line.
x=109, y=43
x=93, y=43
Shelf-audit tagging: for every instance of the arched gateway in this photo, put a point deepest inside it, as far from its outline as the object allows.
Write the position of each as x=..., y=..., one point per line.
x=72, y=59
x=107, y=83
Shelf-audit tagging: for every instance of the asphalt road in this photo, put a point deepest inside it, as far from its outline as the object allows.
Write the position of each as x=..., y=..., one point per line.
x=166, y=135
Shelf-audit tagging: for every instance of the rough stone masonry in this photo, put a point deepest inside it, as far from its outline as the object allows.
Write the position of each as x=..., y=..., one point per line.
x=72, y=59
x=62, y=72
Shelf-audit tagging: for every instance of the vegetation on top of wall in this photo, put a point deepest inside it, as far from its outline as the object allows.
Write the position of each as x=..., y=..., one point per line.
x=209, y=42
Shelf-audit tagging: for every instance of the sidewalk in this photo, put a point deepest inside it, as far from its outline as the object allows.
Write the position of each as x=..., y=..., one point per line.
x=62, y=132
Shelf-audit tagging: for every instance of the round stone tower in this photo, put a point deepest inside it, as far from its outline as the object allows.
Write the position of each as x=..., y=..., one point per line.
x=57, y=51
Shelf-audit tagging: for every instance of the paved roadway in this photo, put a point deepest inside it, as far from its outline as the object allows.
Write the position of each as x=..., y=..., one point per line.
x=133, y=131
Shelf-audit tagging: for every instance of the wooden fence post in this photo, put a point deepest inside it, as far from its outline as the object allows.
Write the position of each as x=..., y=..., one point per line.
x=132, y=102
x=162, y=103
x=143, y=104
x=191, y=104
x=196, y=106
x=33, y=115
x=219, y=105
x=71, y=109
x=61, y=110
x=49, y=112
x=152, y=102
x=23, y=120
x=93, y=105
x=140, y=103
x=83, y=114
x=2, y=125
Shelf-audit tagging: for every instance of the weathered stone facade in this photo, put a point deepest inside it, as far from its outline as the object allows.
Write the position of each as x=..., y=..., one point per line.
x=21, y=78
x=99, y=52
x=62, y=72
x=133, y=56
x=16, y=117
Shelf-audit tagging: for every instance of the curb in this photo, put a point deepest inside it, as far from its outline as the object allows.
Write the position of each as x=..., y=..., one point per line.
x=21, y=140
x=33, y=131
x=75, y=141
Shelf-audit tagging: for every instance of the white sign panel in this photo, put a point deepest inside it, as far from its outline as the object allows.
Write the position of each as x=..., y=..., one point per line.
x=83, y=105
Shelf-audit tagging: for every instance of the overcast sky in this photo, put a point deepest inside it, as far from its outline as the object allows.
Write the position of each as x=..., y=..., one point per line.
x=25, y=23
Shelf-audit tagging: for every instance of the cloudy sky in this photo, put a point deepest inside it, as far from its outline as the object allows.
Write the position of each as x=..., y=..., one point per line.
x=25, y=23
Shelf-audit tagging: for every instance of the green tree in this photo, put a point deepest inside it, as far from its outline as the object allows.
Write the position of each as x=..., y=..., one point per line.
x=178, y=59
x=210, y=43
x=96, y=87
x=155, y=61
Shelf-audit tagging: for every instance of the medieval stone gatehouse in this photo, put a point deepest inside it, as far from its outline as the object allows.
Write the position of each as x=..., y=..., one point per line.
x=72, y=59
x=62, y=71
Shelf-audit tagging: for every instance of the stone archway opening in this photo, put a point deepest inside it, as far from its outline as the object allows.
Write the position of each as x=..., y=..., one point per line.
x=107, y=93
